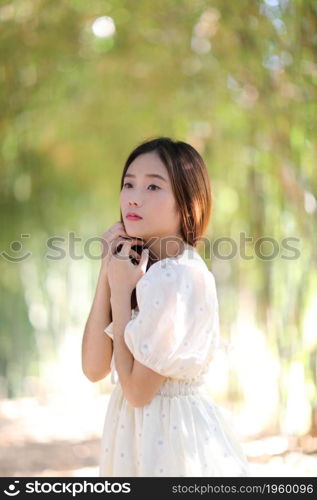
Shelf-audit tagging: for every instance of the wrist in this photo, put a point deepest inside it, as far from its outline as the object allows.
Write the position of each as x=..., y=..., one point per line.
x=119, y=296
x=103, y=271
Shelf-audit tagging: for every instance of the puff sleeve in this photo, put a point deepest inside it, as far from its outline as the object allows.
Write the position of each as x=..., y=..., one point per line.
x=177, y=326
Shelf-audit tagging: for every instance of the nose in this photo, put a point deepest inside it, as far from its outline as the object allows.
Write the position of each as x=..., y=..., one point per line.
x=134, y=203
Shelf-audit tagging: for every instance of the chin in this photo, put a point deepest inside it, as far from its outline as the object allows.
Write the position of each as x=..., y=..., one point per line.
x=135, y=234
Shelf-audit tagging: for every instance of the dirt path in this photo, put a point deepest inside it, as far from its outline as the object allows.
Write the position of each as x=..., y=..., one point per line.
x=62, y=438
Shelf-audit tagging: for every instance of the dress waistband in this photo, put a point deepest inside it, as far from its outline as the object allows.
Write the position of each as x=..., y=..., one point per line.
x=177, y=387
x=171, y=386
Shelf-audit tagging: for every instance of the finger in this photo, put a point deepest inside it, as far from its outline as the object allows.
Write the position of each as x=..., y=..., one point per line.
x=136, y=241
x=121, y=233
x=134, y=254
x=119, y=240
x=118, y=226
x=117, y=231
x=126, y=248
x=118, y=243
x=133, y=241
x=144, y=259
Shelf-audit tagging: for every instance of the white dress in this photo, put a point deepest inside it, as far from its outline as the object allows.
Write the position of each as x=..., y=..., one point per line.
x=181, y=432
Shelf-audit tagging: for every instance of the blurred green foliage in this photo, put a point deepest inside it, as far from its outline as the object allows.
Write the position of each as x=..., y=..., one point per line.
x=82, y=83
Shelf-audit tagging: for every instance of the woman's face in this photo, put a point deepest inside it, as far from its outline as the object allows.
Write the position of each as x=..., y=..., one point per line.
x=150, y=197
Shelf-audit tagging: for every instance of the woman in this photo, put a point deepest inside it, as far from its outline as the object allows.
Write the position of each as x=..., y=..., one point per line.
x=160, y=420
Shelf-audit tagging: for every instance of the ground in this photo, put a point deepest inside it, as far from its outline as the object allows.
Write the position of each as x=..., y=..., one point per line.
x=62, y=439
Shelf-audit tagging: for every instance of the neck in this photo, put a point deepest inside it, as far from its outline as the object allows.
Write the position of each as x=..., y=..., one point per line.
x=167, y=247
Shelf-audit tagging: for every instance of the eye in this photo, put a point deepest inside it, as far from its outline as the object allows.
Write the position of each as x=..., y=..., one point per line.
x=129, y=183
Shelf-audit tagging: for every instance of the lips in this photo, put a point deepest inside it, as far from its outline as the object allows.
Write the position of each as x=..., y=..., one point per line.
x=133, y=216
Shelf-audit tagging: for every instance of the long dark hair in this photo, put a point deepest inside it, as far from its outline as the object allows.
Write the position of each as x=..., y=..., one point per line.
x=191, y=187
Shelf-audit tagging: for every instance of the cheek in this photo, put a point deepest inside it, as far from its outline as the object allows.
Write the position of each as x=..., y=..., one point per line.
x=167, y=200
x=122, y=197
x=168, y=210
x=162, y=200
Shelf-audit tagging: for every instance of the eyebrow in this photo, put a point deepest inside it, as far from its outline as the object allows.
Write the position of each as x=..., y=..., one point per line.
x=148, y=175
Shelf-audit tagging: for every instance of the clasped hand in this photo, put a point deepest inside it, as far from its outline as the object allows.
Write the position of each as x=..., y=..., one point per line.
x=123, y=275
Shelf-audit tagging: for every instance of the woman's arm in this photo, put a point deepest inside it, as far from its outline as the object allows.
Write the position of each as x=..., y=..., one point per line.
x=97, y=346
x=139, y=383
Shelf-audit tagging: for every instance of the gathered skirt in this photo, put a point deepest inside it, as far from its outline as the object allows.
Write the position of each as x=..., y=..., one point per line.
x=180, y=433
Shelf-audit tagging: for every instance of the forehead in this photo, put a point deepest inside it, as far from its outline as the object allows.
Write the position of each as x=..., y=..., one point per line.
x=147, y=165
